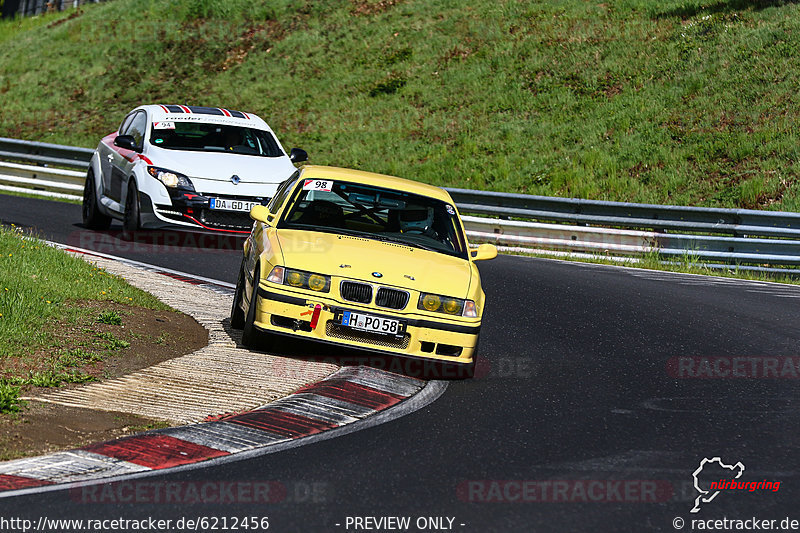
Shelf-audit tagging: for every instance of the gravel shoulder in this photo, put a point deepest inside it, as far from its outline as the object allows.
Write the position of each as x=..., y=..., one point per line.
x=203, y=374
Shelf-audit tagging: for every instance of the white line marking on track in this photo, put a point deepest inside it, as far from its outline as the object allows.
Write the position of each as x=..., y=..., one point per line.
x=143, y=265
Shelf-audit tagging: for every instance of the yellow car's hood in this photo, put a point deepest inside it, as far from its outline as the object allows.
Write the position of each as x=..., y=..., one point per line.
x=325, y=253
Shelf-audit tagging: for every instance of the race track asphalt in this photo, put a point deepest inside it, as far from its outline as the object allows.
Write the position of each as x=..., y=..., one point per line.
x=587, y=414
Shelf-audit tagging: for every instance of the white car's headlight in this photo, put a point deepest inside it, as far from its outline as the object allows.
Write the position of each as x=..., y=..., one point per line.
x=170, y=179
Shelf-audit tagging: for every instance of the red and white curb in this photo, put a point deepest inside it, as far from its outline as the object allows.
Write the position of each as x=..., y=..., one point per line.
x=350, y=399
x=347, y=400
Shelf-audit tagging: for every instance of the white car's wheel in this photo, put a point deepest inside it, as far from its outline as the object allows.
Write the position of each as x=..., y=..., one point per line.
x=92, y=217
x=131, y=221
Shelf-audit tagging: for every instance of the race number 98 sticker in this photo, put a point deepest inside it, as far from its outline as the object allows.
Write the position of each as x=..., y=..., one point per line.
x=317, y=185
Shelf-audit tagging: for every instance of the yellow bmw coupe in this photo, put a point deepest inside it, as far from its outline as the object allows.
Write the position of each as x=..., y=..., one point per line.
x=363, y=260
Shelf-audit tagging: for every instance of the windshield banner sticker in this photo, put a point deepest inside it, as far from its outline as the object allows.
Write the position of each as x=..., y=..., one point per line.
x=317, y=185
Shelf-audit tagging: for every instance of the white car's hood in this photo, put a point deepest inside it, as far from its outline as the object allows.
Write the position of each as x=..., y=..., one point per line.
x=221, y=166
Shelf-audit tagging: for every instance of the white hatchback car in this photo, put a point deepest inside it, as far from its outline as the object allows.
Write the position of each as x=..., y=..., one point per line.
x=202, y=167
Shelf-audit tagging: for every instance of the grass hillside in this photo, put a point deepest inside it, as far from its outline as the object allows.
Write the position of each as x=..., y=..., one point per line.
x=691, y=102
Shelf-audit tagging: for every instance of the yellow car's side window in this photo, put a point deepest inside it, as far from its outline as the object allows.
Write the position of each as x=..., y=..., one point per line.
x=281, y=194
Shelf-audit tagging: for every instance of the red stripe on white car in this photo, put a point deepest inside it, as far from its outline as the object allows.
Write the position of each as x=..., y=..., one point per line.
x=185, y=109
x=129, y=155
x=215, y=229
x=165, y=108
x=225, y=112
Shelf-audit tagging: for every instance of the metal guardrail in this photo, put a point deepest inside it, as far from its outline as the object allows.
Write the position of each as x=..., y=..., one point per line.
x=45, y=153
x=37, y=7
x=731, y=236
x=737, y=222
x=760, y=239
x=41, y=181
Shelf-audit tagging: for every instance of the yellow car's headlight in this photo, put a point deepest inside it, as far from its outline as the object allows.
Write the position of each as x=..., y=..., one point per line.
x=295, y=279
x=300, y=279
x=449, y=306
x=317, y=282
x=452, y=307
x=430, y=302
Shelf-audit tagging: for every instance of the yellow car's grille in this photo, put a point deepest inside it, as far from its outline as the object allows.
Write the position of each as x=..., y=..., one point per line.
x=341, y=332
x=391, y=298
x=356, y=292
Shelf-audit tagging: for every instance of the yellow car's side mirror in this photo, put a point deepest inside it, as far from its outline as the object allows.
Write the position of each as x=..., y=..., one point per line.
x=260, y=213
x=484, y=252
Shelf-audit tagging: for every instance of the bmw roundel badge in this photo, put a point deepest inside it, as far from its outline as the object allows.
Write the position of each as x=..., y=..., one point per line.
x=377, y=274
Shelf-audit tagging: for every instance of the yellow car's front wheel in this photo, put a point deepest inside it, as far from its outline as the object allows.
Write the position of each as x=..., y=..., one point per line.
x=251, y=336
x=237, y=315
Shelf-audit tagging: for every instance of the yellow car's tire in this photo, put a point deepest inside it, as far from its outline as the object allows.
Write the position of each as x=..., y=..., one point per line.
x=237, y=315
x=251, y=337
x=249, y=331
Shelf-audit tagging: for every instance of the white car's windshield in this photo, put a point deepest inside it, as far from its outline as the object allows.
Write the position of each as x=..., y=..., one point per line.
x=205, y=137
x=377, y=213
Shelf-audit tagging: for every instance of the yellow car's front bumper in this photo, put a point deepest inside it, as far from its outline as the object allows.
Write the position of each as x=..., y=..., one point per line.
x=287, y=312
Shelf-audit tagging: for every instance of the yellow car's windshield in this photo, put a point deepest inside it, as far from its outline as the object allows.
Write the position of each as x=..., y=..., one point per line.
x=376, y=213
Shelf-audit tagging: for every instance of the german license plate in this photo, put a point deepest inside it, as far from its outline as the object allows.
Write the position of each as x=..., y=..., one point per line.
x=372, y=323
x=225, y=204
